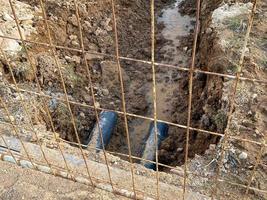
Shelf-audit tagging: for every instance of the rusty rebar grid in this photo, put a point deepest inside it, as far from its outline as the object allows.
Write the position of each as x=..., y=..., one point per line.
x=227, y=136
x=138, y=60
x=154, y=91
x=139, y=116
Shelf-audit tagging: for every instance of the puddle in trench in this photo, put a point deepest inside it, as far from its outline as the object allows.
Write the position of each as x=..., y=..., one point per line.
x=175, y=26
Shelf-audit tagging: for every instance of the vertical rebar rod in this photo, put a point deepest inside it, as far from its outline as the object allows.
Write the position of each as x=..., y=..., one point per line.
x=92, y=89
x=191, y=73
x=122, y=92
x=152, y=13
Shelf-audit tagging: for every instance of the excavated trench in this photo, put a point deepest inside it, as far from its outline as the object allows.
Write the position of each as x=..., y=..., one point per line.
x=174, y=42
x=172, y=28
x=174, y=38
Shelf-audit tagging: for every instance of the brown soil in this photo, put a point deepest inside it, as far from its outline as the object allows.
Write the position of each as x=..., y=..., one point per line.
x=134, y=41
x=209, y=106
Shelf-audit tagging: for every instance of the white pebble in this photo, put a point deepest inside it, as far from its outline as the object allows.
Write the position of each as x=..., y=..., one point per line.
x=243, y=156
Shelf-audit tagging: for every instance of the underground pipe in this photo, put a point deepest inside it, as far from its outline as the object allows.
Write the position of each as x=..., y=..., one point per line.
x=107, y=123
x=150, y=148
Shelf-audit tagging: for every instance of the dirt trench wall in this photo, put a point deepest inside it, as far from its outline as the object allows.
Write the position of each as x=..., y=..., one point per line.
x=207, y=112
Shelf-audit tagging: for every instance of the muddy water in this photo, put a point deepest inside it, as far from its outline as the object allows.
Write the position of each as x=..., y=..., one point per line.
x=175, y=26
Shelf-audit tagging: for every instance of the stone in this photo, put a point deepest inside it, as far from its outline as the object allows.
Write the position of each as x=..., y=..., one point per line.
x=189, y=52
x=11, y=46
x=87, y=97
x=73, y=20
x=27, y=22
x=9, y=118
x=178, y=170
x=212, y=147
x=255, y=97
x=73, y=37
x=185, y=49
x=100, y=31
x=105, y=92
x=7, y=17
x=68, y=58
x=246, y=51
x=106, y=25
x=243, y=155
x=28, y=16
x=209, y=30
x=53, y=104
x=76, y=59
x=114, y=159
x=82, y=114
x=205, y=120
x=97, y=104
x=87, y=27
x=91, y=56
x=75, y=43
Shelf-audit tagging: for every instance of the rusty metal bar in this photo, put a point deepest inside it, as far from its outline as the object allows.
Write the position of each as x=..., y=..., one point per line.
x=227, y=136
x=190, y=92
x=91, y=88
x=142, y=117
x=141, y=61
x=117, y=54
x=152, y=13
